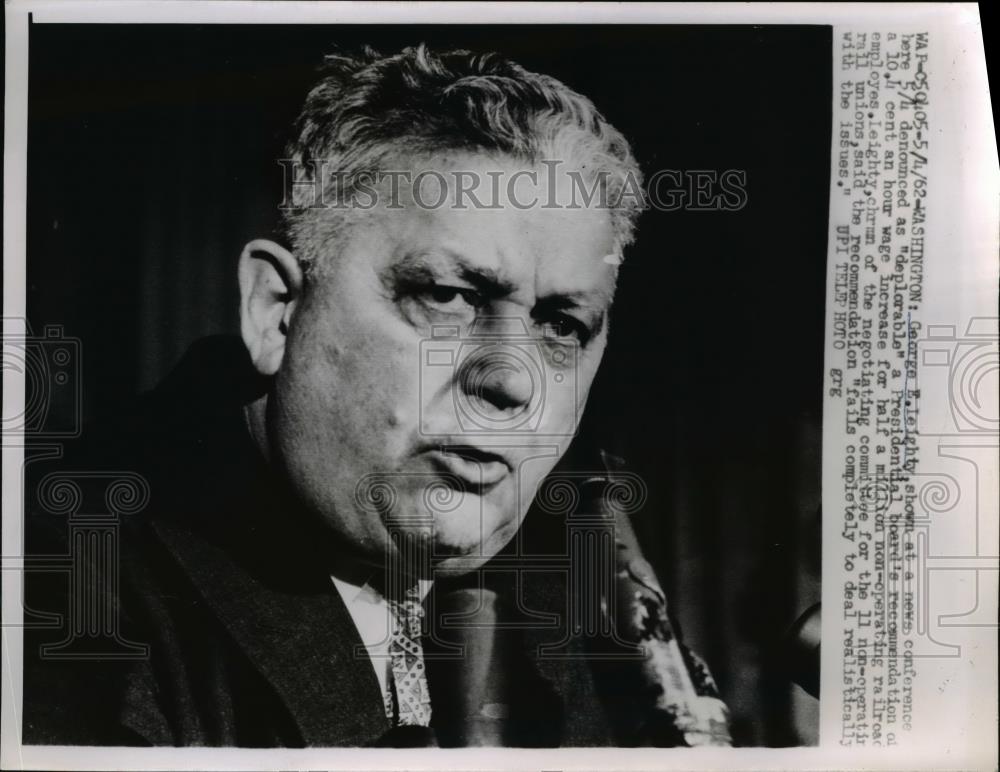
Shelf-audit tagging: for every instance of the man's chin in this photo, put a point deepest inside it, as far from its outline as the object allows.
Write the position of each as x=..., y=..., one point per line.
x=450, y=543
x=459, y=550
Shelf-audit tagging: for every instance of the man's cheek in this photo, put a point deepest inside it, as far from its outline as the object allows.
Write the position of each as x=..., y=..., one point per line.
x=396, y=387
x=529, y=476
x=374, y=377
x=562, y=409
x=585, y=379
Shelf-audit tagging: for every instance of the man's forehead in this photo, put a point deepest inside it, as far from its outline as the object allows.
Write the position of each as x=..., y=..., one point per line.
x=553, y=251
x=493, y=180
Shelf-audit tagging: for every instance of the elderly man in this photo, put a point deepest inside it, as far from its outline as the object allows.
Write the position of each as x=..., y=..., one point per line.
x=416, y=357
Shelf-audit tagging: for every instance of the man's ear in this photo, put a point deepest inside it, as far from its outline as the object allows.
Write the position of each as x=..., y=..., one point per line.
x=270, y=285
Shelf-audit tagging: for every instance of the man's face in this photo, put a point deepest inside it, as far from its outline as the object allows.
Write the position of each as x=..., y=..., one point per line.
x=435, y=372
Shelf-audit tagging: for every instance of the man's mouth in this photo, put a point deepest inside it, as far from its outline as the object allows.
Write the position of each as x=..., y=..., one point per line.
x=478, y=470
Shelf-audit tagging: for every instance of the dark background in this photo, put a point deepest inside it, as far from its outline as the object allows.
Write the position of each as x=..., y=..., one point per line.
x=152, y=160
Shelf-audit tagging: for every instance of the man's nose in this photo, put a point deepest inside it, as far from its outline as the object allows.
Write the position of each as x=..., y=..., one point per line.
x=500, y=376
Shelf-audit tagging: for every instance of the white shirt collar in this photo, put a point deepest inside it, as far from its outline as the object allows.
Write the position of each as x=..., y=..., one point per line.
x=352, y=593
x=374, y=622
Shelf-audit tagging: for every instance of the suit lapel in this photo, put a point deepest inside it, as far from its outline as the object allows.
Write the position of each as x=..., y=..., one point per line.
x=302, y=641
x=261, y=568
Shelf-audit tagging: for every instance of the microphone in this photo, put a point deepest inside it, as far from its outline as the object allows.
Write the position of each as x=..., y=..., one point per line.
x=470, y=692
x=679, y=697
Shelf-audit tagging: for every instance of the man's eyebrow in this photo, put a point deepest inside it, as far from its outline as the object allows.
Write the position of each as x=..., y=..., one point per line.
x=428, y=266
x=563, y=301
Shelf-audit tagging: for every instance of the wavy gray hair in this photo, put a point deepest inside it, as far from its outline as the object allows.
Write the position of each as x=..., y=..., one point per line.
x=368, y=107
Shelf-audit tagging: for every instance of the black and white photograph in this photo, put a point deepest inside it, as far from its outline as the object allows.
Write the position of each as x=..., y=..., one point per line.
x=463, y=385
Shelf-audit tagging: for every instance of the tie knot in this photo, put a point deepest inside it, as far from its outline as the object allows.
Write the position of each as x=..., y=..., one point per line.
x=409, y=611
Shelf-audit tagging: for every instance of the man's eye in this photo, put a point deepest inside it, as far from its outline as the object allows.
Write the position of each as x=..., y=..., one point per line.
x=447, y=298
x=567, y=327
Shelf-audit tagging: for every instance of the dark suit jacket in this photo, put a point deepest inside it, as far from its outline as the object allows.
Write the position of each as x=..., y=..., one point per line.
x=226, y=583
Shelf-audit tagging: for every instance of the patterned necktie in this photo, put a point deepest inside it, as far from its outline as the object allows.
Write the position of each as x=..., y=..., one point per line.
x=406, y=653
